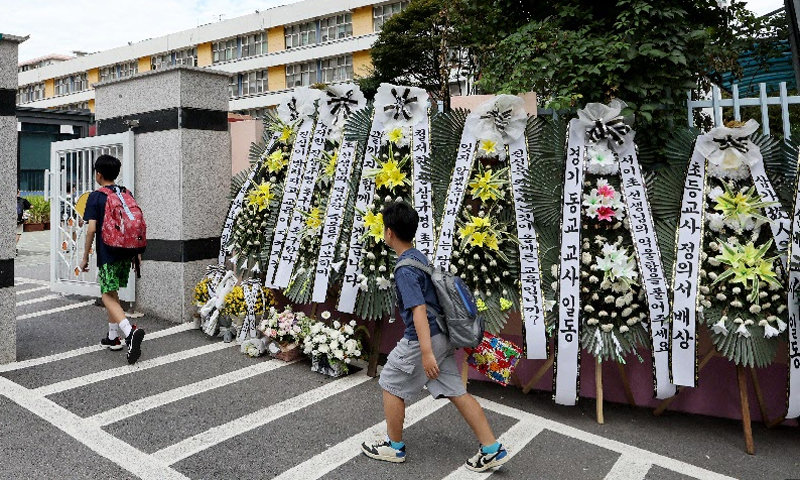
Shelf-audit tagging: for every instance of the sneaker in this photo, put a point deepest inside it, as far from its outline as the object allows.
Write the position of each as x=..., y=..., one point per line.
x=134, y=342
x=115, y=344
x=383, y=450
x=484, y=461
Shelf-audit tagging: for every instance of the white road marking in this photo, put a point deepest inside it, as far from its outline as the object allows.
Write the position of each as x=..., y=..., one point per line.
x=341, y=453
x=55, y=310
x=33, y=362
x=102, y=443
x=213, y=436
x=127, y=369
x=514, y=439
x=38, y=299
x=154, y=401
x=628, y=468
x=31, y=290
x=22, y=280
x=643, y=456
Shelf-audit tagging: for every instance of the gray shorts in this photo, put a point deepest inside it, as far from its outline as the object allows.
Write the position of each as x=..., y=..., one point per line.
x=404, y=377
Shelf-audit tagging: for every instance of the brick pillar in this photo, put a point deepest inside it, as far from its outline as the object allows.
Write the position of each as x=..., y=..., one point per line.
x=182, y=175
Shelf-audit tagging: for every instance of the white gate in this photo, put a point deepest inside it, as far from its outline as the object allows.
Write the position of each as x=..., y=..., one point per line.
x=72, y=174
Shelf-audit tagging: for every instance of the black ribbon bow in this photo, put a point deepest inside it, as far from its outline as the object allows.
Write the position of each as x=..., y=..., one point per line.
x=500, y=119
x=293, y=113
x=400, y=105
x=344, y=102
x=739, y=143
x=615, y=130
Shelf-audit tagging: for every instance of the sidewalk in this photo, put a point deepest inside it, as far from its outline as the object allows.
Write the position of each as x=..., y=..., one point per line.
x=194, y=407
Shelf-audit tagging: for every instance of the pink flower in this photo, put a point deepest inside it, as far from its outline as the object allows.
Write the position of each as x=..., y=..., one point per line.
x=606, y=191
x=605, y=213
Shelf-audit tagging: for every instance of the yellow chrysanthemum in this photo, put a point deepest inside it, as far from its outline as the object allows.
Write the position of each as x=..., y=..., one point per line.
x=487, y=146
x=395, y=135
x=260, y=197
x=314, y=218
x=286, y=133
x=374, y=225
x=487, y=185
x=330, y=167
x=276, y=161
x=390, y=175
x=505, y=304
x=481, y=305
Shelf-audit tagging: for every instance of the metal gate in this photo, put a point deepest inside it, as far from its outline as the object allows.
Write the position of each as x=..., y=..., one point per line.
x=72, y=175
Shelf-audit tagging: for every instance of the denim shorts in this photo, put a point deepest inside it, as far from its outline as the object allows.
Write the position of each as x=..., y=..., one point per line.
x=404, y=377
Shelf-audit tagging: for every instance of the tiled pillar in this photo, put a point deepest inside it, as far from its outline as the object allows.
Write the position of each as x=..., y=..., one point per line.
x=182, y=175
x=9, y=46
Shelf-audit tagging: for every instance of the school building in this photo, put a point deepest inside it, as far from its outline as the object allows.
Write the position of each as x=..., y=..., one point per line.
x=265, y=53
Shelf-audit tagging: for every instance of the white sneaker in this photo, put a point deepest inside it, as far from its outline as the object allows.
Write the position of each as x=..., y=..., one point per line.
x=383, y=450
x=484, y=461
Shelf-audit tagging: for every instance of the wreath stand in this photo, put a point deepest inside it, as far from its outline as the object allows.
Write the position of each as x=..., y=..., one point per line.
x=375, y=348
x=744, y=400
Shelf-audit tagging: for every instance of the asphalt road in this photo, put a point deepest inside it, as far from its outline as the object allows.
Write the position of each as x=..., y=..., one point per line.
x=196, y=408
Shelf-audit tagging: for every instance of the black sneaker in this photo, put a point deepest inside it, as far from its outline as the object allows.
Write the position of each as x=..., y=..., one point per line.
x=484, y=461
x=115, y=344
x=134, y=342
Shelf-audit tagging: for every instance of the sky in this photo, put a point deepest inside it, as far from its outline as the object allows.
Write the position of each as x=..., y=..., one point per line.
x=59, y=26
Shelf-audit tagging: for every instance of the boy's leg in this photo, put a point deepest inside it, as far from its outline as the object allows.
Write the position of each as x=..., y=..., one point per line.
x=472, y=412
x=115, y=312
x=394, y=408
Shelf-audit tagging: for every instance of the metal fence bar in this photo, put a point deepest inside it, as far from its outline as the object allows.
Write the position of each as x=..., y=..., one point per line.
x=762, y=88
x=690, y=108
x=737, y=110
x=787, y=130
x=716, y=108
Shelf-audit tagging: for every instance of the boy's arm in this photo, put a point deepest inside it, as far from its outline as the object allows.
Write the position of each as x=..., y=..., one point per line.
x=91, y=229
x=420, y=315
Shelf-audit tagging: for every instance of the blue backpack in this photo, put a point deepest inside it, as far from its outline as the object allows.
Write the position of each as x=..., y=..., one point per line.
x=461, y=323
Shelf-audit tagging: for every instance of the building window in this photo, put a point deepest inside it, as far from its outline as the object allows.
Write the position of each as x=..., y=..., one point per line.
x=337, y=69
x=71, y=84
x=30, y=93
x=301, y=34
x=73, y=106
x=254, y=83
x=186, y=57
x=301, y=74
x=225, y=50
x=336, y=26
x=254, y=44
x=119, y=70
x=233, y=87
x=259, y=113
x=382, y=13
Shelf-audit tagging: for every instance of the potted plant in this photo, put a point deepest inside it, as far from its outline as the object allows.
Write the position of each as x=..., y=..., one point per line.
x=39, y=218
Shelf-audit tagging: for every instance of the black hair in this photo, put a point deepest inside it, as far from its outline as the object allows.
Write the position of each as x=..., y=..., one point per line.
x=108, y=167
x=402, y=219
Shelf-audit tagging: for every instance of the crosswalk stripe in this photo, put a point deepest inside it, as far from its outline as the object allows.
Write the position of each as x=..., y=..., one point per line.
x=628, y=468
x=55, y=310
x=127, y=369
x=341, y=453
x=22, y=280
x=38, y=300
x=31, y=290
x=99, y=441
x=213, y=436
x=630, y=451
x=514, y=439
x=33, y=362
x=154, y=401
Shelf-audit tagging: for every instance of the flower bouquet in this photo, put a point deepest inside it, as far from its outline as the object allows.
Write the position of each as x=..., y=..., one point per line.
x=733, y=232
x=397, y=139
x=287, y=330
x=326, y=180
x=209, y=296
x=332, y=348
x=234, y=310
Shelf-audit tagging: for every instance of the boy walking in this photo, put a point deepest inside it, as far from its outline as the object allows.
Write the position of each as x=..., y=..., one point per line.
x=113, y=265
x=424, y=356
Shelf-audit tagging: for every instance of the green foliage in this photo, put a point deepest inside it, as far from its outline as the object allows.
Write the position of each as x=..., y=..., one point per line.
x=40, y=209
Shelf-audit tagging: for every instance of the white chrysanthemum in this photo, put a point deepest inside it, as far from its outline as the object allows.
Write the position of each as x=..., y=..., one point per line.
x=400, y=106
x=503, y=115
x=336, y=101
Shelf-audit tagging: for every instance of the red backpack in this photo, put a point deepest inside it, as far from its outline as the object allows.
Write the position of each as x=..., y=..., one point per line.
x=123, y=223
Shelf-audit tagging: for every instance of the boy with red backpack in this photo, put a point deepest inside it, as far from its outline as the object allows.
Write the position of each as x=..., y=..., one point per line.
x=116, y=224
